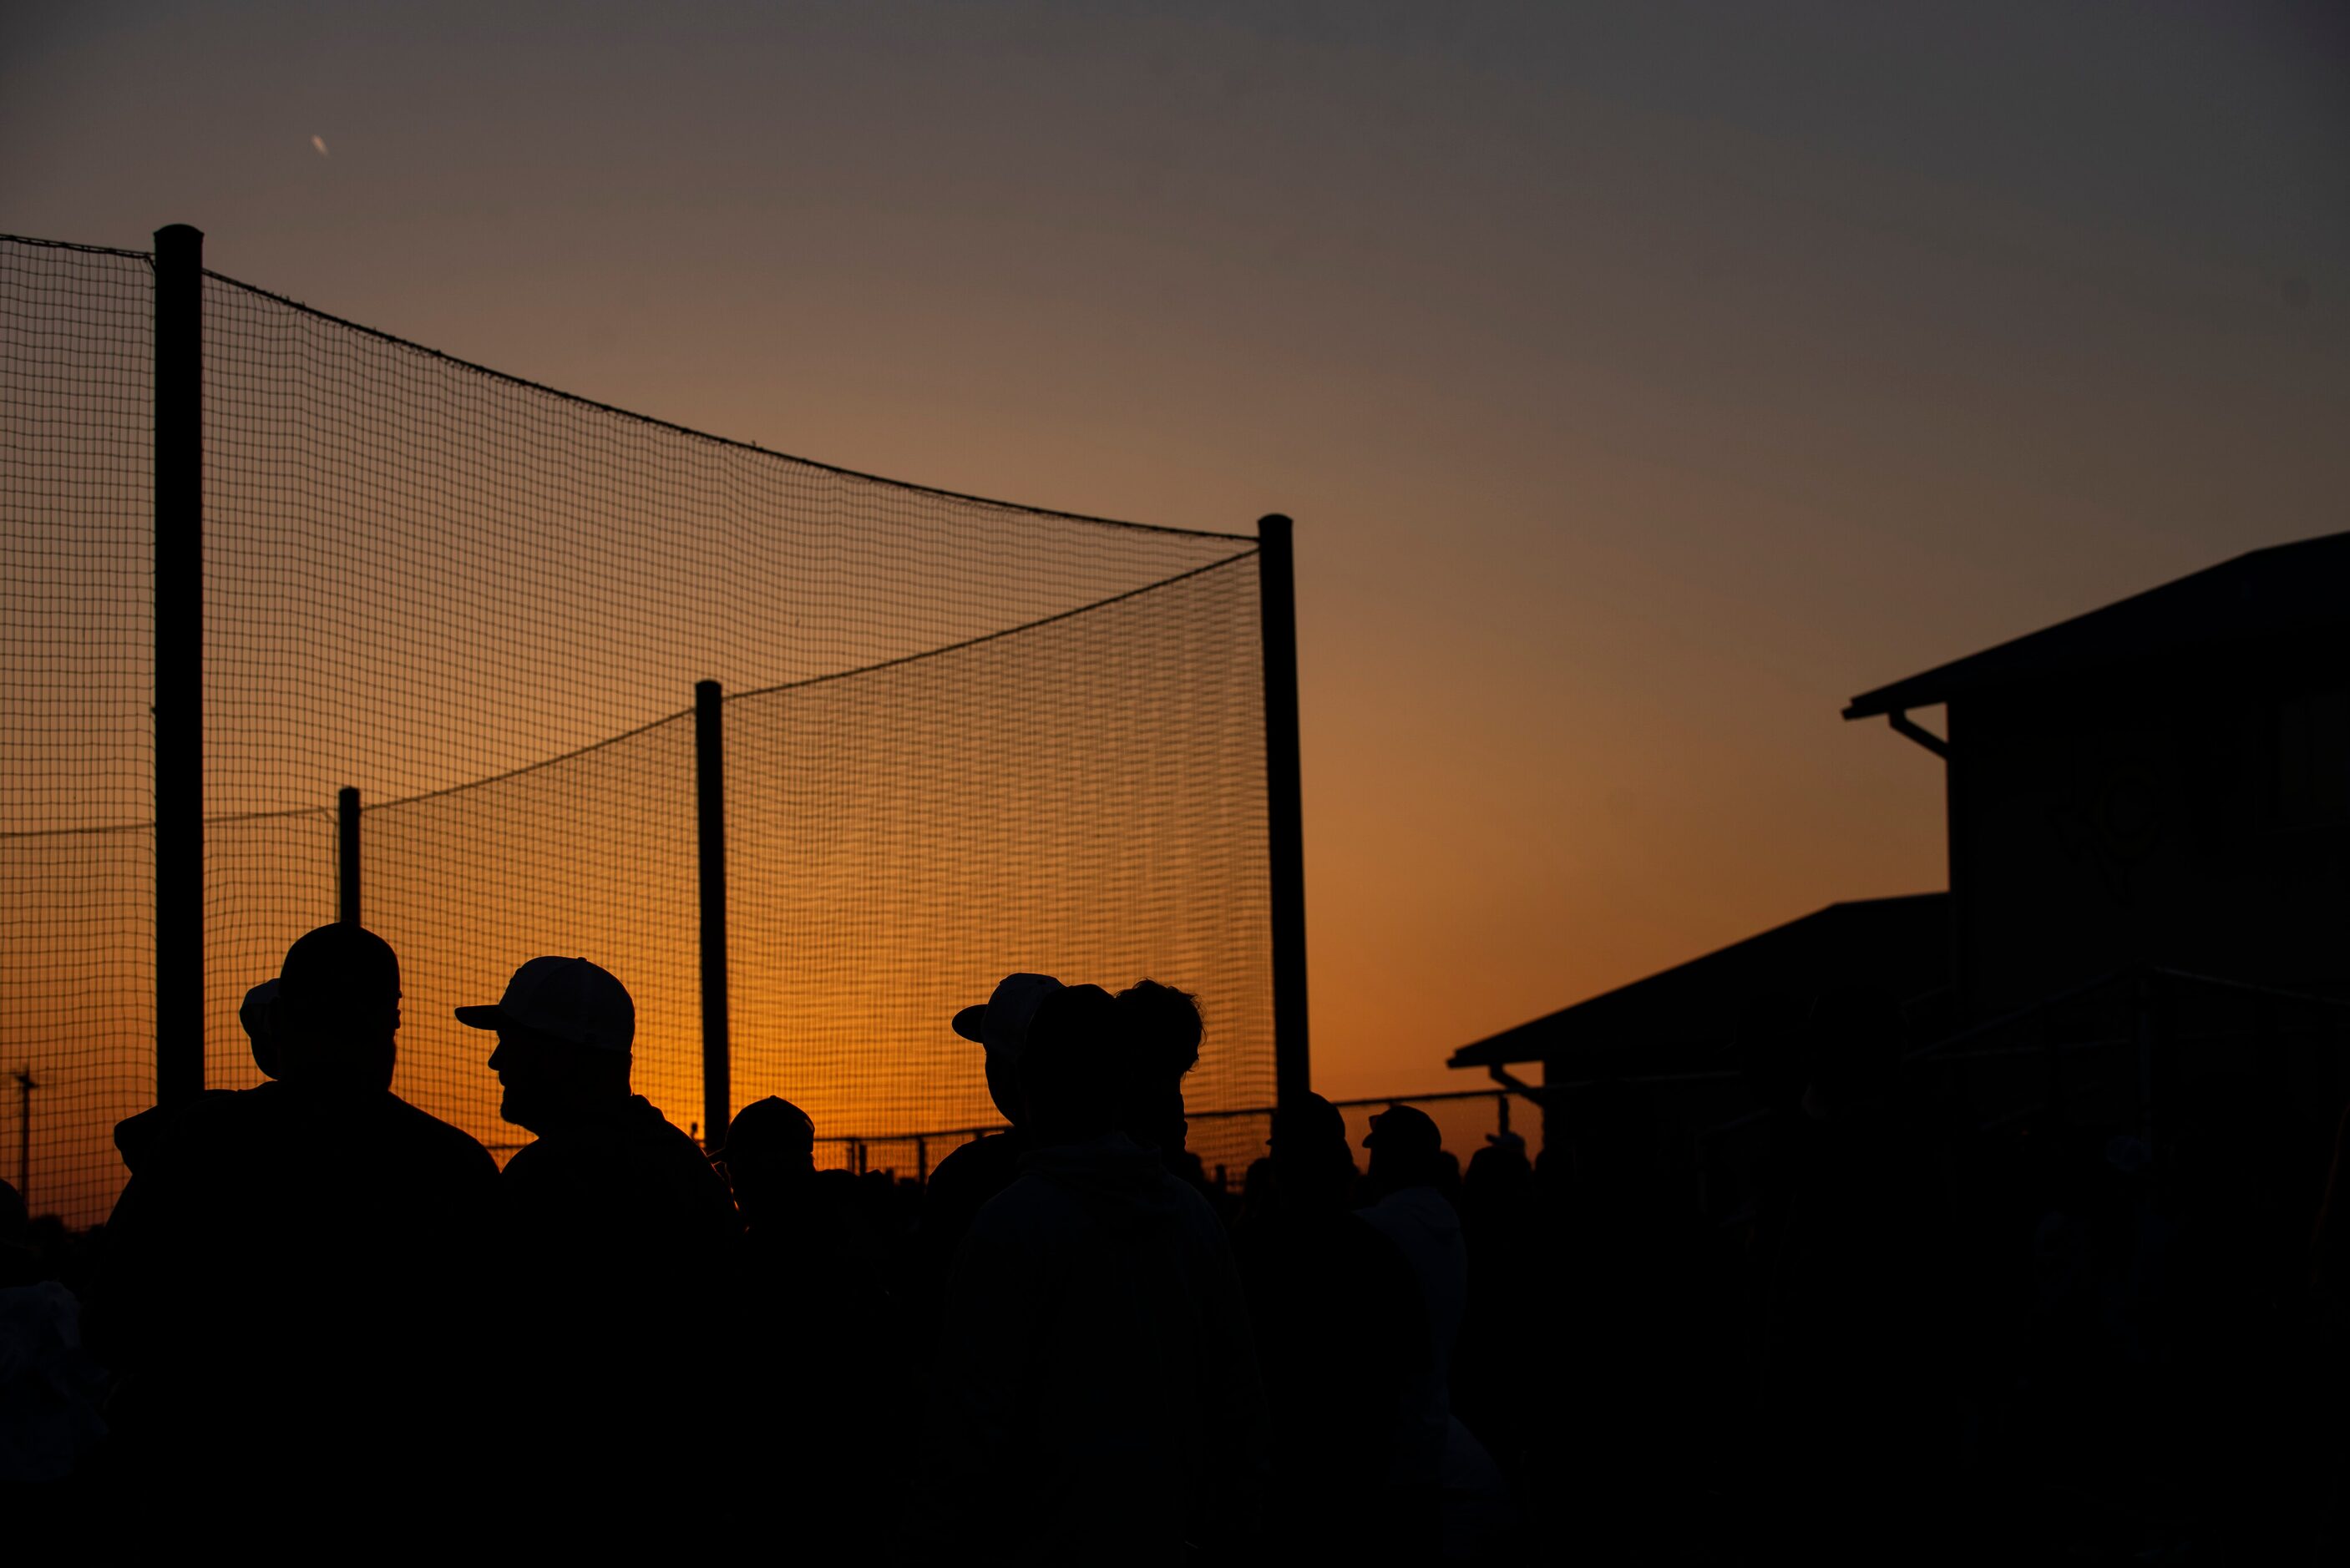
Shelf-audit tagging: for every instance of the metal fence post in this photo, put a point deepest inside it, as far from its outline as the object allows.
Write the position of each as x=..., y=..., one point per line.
x=179, y=694
x=347, y=855
x=1293, y=1074
x=709, y=803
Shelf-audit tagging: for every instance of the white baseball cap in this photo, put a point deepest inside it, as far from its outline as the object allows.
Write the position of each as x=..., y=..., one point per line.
x=566, y=999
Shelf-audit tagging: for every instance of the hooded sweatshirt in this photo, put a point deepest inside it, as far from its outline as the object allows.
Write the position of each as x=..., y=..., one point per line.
x=1095, y=1392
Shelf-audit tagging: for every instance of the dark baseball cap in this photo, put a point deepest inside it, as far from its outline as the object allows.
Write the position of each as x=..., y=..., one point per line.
x=343, y=967
x=565, y=999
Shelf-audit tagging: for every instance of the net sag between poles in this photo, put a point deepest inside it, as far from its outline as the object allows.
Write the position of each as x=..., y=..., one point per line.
x=961, y=737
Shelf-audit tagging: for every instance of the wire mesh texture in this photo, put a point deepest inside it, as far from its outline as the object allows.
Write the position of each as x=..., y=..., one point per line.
x=961, y=737
x=77, y=858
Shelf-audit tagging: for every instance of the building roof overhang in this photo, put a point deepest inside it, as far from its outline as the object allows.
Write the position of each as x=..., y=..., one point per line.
x=2285, y=590
x=1695, y=1005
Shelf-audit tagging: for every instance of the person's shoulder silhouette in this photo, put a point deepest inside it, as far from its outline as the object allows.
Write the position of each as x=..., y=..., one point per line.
x=324, y=1142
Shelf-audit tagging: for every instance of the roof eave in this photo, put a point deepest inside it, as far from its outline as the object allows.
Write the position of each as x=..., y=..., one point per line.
x=1925, y=690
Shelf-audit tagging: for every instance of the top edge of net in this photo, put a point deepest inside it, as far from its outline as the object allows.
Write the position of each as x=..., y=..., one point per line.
x=676, y=429
x=613, y=409
x=75, y=245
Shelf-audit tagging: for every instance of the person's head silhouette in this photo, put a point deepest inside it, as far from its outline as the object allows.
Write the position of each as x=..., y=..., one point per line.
x=770, y=1156
x=1405, y=1149
x=1311, y=1162
x=335, y=1019
x=1001, y=1024
x=253, y=1013
x=1164, y=1025
x=1077, y=1067
x=565, y=1029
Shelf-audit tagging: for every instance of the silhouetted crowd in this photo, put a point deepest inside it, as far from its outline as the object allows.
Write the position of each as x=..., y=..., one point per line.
x=320, y=1320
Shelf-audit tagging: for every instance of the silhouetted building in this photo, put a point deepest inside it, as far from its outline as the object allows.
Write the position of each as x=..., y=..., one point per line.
x=2166, y=780
x=1696, y=1026
x=2149, y=864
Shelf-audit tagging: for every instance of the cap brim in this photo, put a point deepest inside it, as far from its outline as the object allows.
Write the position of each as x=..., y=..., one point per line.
x=487, y=1017
x=972, y=1024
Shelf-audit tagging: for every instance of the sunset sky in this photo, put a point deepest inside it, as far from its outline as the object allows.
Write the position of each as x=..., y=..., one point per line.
x=1645, y=380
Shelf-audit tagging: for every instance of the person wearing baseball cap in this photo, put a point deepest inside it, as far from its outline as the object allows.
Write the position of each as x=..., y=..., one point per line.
x=616, y=1229
x=566, y=1028
x=985, y=1166
x=1408, y=1164
x=1000, y=1024
x=287, y=1274
x=1095, y=1394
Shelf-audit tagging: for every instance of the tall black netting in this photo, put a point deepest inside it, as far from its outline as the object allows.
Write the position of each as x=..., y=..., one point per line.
x=77, y=861
x=881, y=882
x=961, y=737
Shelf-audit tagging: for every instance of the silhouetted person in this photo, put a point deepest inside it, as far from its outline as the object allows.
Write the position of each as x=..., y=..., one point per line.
x=292, y=1269
x=137, y=1138
x=1165, y=1025
x=1510, y=1309
x=813, y=1360
x=969, y=1176
x=1097, y=1394
x=615, y=1233
x=1409, y=1166
x=1343, y=1343
x=50, y=1390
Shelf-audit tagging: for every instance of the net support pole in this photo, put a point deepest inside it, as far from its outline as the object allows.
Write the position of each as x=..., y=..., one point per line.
x=710, y=812
x=179, y=629
x=347, y=855
x=1293, y=1074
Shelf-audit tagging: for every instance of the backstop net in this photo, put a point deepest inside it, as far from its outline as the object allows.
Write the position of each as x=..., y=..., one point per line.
x=961, y=737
